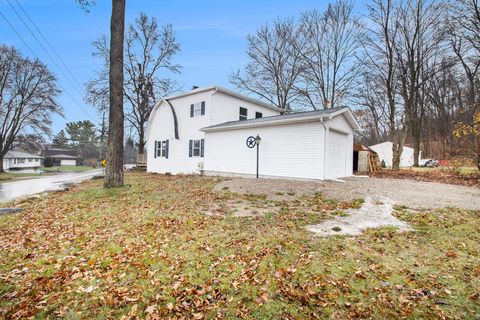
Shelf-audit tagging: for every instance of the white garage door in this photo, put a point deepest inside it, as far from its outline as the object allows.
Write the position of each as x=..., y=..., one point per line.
x=68, y=162
x=336, y=155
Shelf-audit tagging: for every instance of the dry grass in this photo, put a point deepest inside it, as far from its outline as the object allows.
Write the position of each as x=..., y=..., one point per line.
x=149, y=250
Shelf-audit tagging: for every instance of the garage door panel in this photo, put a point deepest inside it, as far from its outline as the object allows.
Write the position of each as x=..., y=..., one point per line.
x=336, y=154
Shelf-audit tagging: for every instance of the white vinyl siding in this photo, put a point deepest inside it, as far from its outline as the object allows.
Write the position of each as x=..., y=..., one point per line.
x=294, y=150
x=336, y=154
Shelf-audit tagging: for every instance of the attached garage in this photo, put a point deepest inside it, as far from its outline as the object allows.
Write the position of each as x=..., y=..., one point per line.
x=306, y=145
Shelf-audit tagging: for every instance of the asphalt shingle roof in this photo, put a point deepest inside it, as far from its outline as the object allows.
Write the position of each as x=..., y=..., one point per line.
x=20, y=154
x=277, y=118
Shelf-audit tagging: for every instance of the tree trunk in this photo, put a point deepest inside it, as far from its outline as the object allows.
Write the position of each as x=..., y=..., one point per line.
x=114, y=167
x=141, y=141
x=2, y=170
x=416, y=134
x=397, y=148
x=416, y=150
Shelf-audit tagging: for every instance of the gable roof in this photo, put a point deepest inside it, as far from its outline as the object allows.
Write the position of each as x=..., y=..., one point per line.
x=287, y=118
x=63, y=156
x=20, y=154
x=216, y=89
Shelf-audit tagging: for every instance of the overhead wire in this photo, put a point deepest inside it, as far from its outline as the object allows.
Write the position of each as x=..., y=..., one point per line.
x=50, y=56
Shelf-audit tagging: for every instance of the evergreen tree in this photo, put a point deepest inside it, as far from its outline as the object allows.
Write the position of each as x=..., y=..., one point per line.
x=60, y=140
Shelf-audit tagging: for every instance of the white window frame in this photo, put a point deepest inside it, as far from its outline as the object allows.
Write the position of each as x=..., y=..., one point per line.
x=194, y=148
x=161, y=150
x=197, y=109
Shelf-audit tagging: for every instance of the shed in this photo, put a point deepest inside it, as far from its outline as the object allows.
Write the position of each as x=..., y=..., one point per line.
x=385, y=153
x=307, y=145
x=364, y=159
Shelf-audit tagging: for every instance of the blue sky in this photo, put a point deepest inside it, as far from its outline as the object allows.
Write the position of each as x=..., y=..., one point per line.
x=212, y=35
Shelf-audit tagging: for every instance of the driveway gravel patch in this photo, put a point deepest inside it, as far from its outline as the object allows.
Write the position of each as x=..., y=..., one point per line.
x=409, y=193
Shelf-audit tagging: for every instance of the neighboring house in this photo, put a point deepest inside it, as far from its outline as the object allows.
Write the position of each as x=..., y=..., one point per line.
x=17, y=160
x=205, y=131
x=62, y=157
x=385, y=153
x=65, y=160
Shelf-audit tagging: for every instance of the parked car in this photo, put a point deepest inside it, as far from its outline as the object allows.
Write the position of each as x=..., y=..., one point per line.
x=431, y=163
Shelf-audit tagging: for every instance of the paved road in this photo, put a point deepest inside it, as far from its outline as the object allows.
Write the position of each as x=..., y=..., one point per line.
x=15, y=189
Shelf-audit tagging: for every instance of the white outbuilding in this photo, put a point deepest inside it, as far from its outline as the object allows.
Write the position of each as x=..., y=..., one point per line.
x=206, y=131
x=385, y=153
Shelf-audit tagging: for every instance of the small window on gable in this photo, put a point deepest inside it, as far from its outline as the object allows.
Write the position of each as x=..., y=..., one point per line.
x=258, y=114
x=197, y=109
x=243, y=114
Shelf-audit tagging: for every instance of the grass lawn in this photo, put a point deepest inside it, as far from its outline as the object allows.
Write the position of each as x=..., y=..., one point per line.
x=149, y=250
x=463, y=170
x=68, y=168
x=16, y=175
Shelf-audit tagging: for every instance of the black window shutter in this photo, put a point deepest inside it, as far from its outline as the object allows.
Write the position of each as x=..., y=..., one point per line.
x=202, y=147
x=166, y=149
x=191, y=111
x=155, y=150
x=203, y=108
x=190, y=148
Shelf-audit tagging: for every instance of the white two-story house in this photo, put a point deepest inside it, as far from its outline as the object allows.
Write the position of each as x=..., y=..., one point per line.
x=175, y=142
x=205, y=131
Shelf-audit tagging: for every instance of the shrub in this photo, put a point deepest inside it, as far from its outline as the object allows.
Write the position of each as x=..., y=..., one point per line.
x=92, y=162
x=48, y=162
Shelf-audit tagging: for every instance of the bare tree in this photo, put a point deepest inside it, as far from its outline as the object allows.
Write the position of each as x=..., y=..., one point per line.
x=382, y=66
x=465, y=42
x=418, y=51
x=114, y=167
x=148, y=56
x=275, y=64
x=333, y=39
x=27, y=98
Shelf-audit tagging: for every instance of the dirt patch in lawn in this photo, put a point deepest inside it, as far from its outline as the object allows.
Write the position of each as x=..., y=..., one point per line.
x=239, y=208
x=409, y=193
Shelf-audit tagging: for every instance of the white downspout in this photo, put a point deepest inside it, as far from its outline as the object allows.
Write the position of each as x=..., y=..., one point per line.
x=325, y=149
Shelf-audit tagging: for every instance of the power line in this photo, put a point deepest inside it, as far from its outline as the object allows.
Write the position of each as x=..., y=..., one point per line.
x=48, y=43
x=35, y=55
x=43, y=47
x=14, y=30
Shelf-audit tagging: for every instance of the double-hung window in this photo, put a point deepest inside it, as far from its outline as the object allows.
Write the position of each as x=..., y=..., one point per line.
x=197, y=109
x=258, y=115
x=196, y=148
x=161, y=149
x=243, y=114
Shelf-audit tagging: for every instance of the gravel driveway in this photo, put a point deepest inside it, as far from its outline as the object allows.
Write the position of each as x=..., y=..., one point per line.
x=413, y=194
